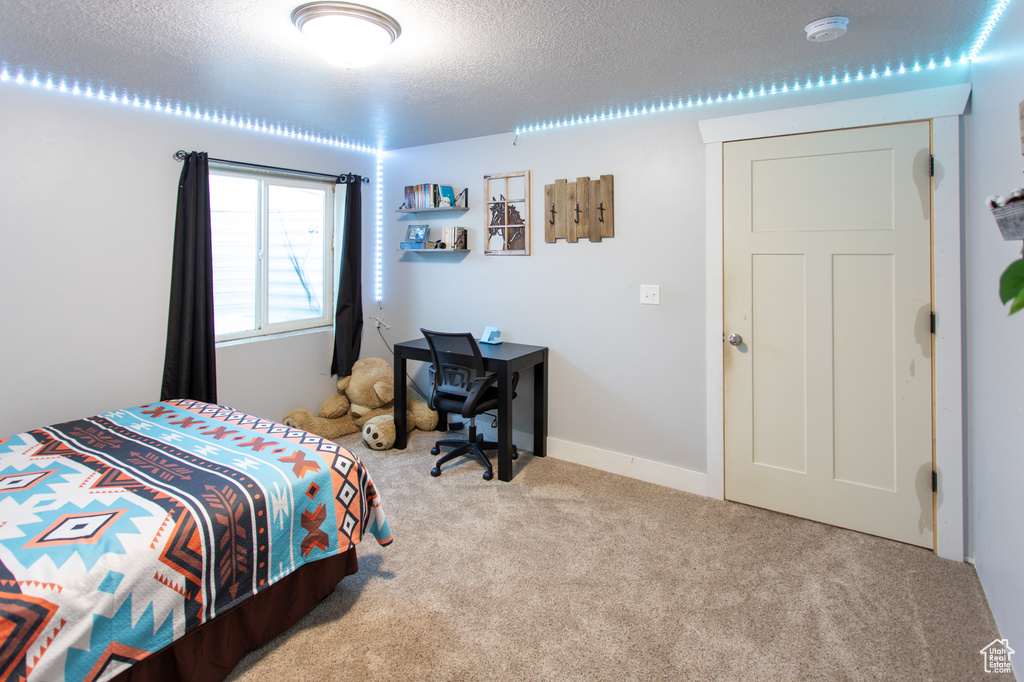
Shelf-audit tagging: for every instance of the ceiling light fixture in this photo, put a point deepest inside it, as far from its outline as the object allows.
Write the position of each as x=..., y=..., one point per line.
x=826, y=29
x=346, y=34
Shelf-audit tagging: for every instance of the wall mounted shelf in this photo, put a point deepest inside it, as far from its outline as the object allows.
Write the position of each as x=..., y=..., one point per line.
x=439, y=209
x=434, y=250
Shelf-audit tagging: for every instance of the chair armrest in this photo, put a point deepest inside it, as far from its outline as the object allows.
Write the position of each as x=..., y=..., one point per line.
x=476, y=393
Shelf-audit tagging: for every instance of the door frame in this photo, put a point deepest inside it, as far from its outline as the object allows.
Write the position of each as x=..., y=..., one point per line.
x=943, y=106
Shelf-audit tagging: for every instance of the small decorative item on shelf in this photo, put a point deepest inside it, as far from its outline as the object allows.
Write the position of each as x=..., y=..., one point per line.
x=417, y=233
x=415, y=237
x=1009, y=214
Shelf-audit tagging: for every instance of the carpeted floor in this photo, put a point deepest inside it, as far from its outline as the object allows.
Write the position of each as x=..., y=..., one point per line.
x=569, y=573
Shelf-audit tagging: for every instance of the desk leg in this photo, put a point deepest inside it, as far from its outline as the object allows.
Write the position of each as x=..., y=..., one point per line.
x=401, y=433
x=540, y=408
x=504, y=426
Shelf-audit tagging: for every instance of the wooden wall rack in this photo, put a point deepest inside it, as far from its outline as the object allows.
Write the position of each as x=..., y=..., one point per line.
x=583, y=209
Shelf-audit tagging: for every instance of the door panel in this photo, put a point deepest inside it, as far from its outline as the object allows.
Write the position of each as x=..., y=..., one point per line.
x=803, y=193
x=863, y=372
x=827, y=256
x=779, y=425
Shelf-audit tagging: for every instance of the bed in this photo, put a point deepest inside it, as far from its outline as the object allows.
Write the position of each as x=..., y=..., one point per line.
x=165, y=541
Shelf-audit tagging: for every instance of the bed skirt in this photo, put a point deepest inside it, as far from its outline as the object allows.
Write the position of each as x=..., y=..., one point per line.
x=210, y=653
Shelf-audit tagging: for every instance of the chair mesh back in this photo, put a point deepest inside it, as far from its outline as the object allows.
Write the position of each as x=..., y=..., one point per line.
x=456, y=361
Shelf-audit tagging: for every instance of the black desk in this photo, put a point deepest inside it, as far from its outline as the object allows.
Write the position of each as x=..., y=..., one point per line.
x=504, y=359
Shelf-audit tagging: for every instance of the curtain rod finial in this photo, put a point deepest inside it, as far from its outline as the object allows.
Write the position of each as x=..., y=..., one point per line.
x=180, y=155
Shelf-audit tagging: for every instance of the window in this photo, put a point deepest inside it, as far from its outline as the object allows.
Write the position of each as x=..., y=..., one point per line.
x=273, y=253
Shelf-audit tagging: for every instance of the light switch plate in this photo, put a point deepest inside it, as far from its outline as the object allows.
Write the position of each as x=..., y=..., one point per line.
x=650, y=294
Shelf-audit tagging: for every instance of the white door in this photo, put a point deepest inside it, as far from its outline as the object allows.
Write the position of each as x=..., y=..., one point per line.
x=827, y=281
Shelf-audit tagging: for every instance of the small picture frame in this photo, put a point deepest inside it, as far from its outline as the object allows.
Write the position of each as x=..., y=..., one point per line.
x=416, y=233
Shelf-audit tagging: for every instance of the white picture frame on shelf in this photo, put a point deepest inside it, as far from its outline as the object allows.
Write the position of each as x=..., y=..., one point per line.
x=417, y=233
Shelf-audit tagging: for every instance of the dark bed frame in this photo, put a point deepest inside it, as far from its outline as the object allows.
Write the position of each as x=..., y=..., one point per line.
x=210, y=652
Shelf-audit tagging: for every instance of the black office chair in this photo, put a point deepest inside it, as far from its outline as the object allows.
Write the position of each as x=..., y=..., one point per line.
x=459, y=384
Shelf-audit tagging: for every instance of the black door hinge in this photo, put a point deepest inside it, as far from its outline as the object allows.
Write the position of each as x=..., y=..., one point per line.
x=931, y=166
x=935, y=481
x=933, y=323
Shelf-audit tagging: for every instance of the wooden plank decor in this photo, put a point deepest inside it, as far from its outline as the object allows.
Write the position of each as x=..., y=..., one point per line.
x=561, y=199
x=607, y=216
x=549, y=214
x=583, y=209
x=570, y=219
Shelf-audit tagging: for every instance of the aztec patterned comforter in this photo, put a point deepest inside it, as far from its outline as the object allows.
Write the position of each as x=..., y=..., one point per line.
x=122, y=532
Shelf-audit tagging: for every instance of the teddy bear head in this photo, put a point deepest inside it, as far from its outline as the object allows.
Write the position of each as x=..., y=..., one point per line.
x=371, y=384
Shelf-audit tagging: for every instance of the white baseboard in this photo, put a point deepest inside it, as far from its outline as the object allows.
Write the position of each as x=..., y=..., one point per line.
x=667, y=475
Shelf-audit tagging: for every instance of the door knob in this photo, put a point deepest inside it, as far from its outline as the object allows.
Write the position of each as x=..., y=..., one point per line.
x=735, y=339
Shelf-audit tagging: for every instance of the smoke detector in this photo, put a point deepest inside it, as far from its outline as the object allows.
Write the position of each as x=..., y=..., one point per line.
x=826, y=29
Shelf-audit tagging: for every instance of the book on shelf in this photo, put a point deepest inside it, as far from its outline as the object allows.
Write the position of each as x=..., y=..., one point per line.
x=447, y=195
x=412, y=245
x=430, y=195
x=455, y=237
x=421, y=196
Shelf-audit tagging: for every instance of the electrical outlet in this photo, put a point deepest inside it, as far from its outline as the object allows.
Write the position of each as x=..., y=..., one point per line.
x=650, y=294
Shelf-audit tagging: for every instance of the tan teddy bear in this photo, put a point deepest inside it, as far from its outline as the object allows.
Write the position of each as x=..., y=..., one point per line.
x=366, y=393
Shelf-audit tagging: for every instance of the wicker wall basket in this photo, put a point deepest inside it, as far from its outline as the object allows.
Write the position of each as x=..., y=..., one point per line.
x=1010, y=219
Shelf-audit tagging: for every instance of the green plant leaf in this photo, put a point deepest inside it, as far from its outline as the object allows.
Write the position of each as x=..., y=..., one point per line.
x=1011, y=283
x=1018, y=303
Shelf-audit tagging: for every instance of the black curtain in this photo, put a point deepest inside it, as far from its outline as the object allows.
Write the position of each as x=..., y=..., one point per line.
x=190, y=361
x=348, y=318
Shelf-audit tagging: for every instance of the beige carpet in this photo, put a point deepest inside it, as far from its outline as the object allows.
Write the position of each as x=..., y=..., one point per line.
x=569, y=573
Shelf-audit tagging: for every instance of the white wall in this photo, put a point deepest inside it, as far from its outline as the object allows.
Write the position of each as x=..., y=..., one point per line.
x=623, y=377
x=995, y=365
x=88, y=192
x=627, y=381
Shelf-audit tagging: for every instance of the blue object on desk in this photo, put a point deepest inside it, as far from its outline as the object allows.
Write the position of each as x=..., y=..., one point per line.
x=491, y=335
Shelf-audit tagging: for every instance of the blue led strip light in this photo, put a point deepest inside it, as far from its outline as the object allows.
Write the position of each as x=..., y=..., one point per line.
x=176, y=108
x=986, y=30
x=188, y=111
x=751, y=93
x=776, y=88
x=379, y=251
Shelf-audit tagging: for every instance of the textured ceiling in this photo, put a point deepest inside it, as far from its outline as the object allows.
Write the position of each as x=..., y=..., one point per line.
x=465, y=68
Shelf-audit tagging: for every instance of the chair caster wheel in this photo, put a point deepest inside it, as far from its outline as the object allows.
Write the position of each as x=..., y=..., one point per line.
x=488, y=475
x=435, y=450
x=515, y=452
x=435, y=472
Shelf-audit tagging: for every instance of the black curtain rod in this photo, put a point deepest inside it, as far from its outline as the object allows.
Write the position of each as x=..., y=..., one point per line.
x=181, y=155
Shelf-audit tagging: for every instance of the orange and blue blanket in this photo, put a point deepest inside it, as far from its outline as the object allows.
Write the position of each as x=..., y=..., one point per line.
x=122, y=532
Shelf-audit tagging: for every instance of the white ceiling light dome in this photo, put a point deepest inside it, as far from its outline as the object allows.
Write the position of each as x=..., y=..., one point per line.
x=346, y=34
x=826, y=29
